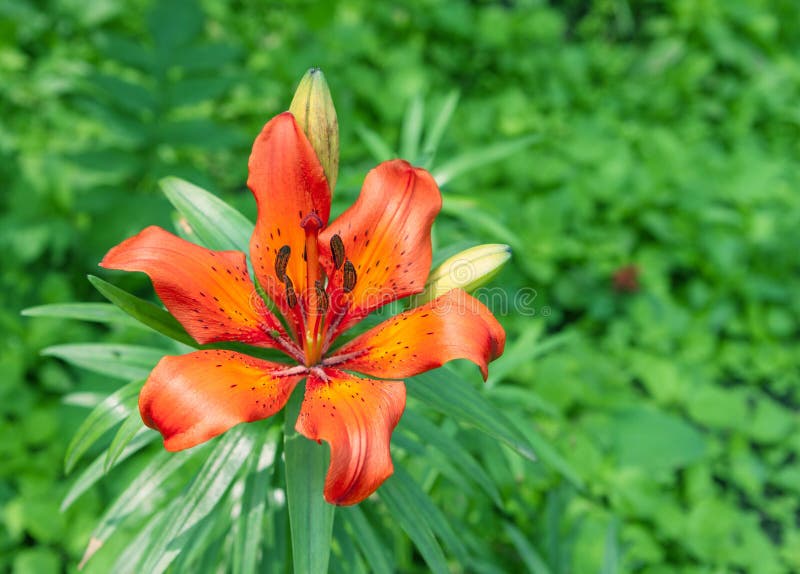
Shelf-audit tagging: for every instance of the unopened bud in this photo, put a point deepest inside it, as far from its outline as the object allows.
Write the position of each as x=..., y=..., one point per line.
x=312, y=108
x=467, y=270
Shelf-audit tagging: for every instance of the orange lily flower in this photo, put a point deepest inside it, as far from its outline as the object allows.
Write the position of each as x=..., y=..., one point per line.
x=323, y=278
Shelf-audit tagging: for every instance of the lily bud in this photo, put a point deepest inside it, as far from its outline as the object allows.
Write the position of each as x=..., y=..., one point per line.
x=312, y=108
x=467, y=270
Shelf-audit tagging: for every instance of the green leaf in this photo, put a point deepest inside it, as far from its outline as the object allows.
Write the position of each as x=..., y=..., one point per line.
x=530, y=556
x=412, y=129
x=216, y=223
x=96, y=470
x=431, y=435
x=380, y=150
x=142, y=489
x=143, y=311
x=107, y=414
x=310, y=517
x=131, y=557
x=249, y=529
x=435, y=133
x=124, y=362
x=611, y=553
x=444, y=391
x=95, y=312
x=209, y=486
x=475, y=159
x=403, y=506
x=125, y=434
x=372, y=547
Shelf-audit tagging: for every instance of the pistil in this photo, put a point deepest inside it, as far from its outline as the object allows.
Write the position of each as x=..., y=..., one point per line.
x=311, y=224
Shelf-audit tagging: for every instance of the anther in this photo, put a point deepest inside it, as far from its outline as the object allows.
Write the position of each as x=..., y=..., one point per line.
x=337, y=249
x=348, y=276
x=281, y=261
x=291, y=296
x=322, y=297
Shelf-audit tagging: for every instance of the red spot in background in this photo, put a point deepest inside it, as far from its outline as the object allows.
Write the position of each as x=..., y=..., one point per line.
x=626, y=279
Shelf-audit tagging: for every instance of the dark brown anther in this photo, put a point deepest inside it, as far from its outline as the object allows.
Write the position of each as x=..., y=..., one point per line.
x=348, y=276
x=281, y=261
x=291, y=296
x=337, y=249
x=322, y=297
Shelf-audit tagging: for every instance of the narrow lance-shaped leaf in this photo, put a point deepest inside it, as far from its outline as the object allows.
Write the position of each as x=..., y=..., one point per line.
x=124, y=362
x=94, y=312
x=129, y=428
x=310, y=517
x=209, y=486
x=372, y=547
x=476, y=159
x=216, y=223
x=113, y=409
x=143, y=311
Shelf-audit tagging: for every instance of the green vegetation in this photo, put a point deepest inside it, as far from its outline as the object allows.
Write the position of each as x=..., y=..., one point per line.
x=639, y=156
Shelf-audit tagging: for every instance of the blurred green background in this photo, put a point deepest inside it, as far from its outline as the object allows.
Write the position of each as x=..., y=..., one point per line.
x=657, y=217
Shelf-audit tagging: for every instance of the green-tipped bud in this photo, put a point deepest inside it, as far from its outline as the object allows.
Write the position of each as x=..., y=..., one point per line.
x=467, y=270
x=312, y=107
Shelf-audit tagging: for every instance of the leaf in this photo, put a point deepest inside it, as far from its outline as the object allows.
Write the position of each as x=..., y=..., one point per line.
x=216, y=223
x=372, y=547
x=143, y=311
x=435, y=133
x=431, y=435
x=530, y=556
x=310, y=517
x=475, y=159
x=380, y=150
x=412, y=129
x=402, y=506
x=125, y=434
x=138, y=492
x=113, y=409
x=209, y=486
x=611, y=552
x=444, y=391
x=250, y=529
x=96, y=470
x=124, y=362
x=95, y=312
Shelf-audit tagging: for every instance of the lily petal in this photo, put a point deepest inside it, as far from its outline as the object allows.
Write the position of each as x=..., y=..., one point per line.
x=209, y=292
x=387, y=235
x=356, y=416
x=453, y=326
x=288, y=183
x=192, y=398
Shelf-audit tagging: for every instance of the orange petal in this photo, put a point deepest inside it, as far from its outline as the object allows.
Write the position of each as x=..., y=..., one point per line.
x=193, y=398
x=453, y=326
x=356, y=417
x=288, y=183
x=387, y=235
x=209, y=292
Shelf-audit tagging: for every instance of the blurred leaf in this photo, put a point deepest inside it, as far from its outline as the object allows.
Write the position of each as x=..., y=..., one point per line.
x=96, y=312
x=444, y=391
x=530, y=556
x=435, y=133
x=380, y=150
x=479, y=158
x=124, y=362
x=107, y=414
x=412, y=129
x=372, y=547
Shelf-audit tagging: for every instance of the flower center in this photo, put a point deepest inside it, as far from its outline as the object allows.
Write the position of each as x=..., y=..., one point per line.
x=326, y=300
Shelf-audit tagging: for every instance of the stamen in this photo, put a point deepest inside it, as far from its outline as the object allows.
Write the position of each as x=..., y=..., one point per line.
x=348, y=276
x=291, y=296
x=337, y=249
x=281, y=261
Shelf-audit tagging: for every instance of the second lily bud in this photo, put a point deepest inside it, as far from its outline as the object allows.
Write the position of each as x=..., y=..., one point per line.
x=312, y=108
x=466, y=270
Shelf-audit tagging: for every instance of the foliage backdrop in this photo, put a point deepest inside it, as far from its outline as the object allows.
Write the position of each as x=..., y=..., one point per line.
x=667, y=139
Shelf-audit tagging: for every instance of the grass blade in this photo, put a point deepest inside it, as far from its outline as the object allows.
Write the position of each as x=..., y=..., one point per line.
x=123, y=362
